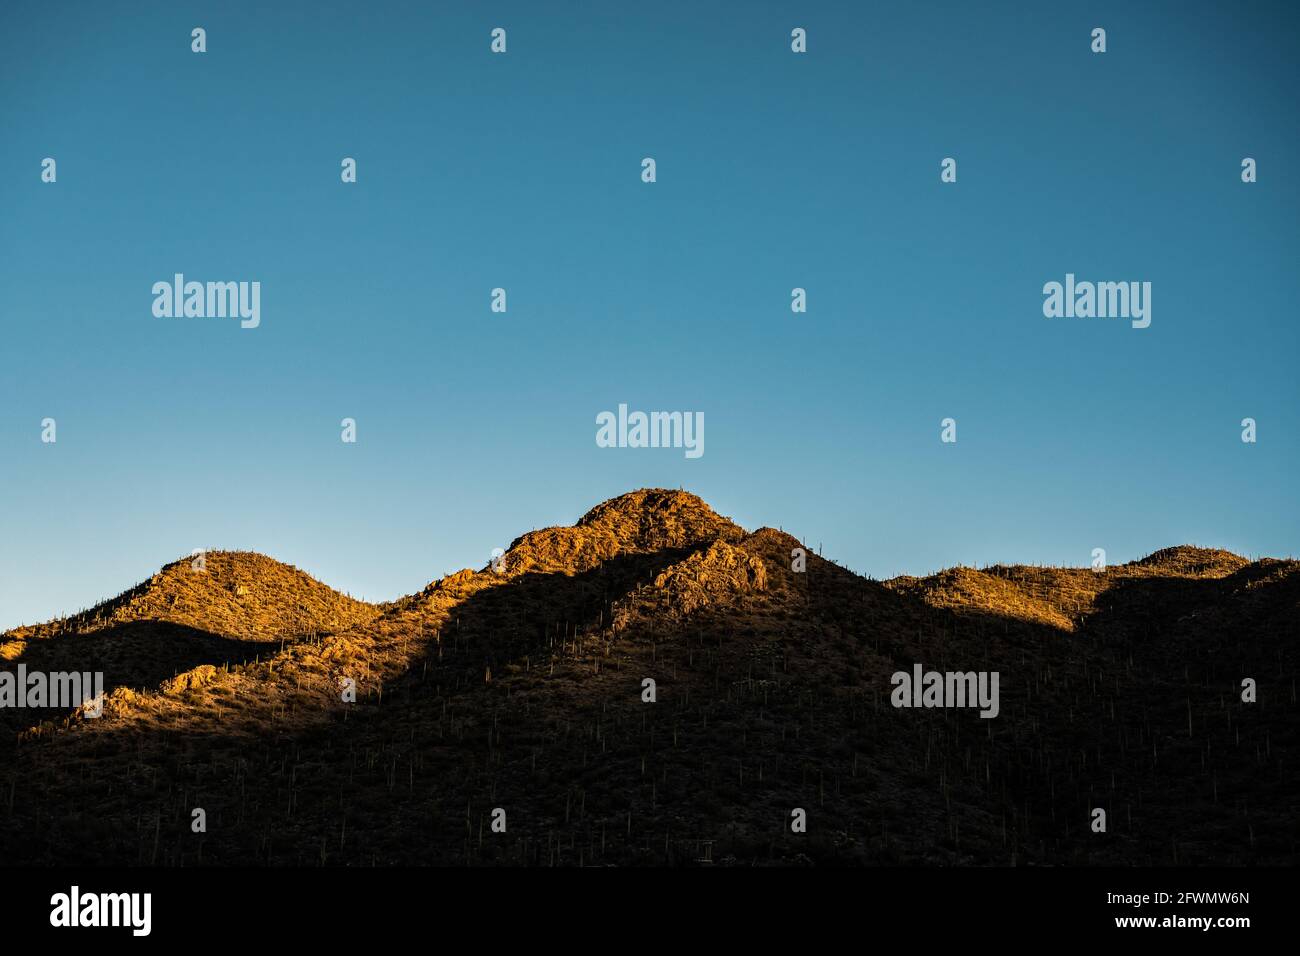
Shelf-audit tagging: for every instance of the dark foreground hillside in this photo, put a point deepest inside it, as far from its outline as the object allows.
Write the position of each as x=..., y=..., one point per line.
x=522, y=689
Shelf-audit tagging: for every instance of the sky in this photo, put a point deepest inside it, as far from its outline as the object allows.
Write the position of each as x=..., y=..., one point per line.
x=523, y=171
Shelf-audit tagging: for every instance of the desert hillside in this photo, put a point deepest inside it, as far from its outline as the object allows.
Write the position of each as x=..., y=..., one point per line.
x=190, y=614
x=520, y=687
x=238, y=594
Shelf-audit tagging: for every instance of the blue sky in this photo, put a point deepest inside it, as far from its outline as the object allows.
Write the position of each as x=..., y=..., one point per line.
x=522, y=171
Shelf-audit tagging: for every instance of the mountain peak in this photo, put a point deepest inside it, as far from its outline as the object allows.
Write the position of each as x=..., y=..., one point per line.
x=658, y=518
x=647, y=520
x=240, y=594
x=1189, y=559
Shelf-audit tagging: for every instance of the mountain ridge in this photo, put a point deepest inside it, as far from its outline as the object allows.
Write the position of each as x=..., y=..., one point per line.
x=635, y=522
x=525, y=680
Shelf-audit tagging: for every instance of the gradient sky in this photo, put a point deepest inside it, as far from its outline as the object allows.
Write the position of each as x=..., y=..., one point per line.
x=523, y=171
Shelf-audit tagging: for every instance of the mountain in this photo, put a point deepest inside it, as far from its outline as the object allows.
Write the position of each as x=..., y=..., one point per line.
x=520, y=688
x=237, y=593
x=192, y=613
